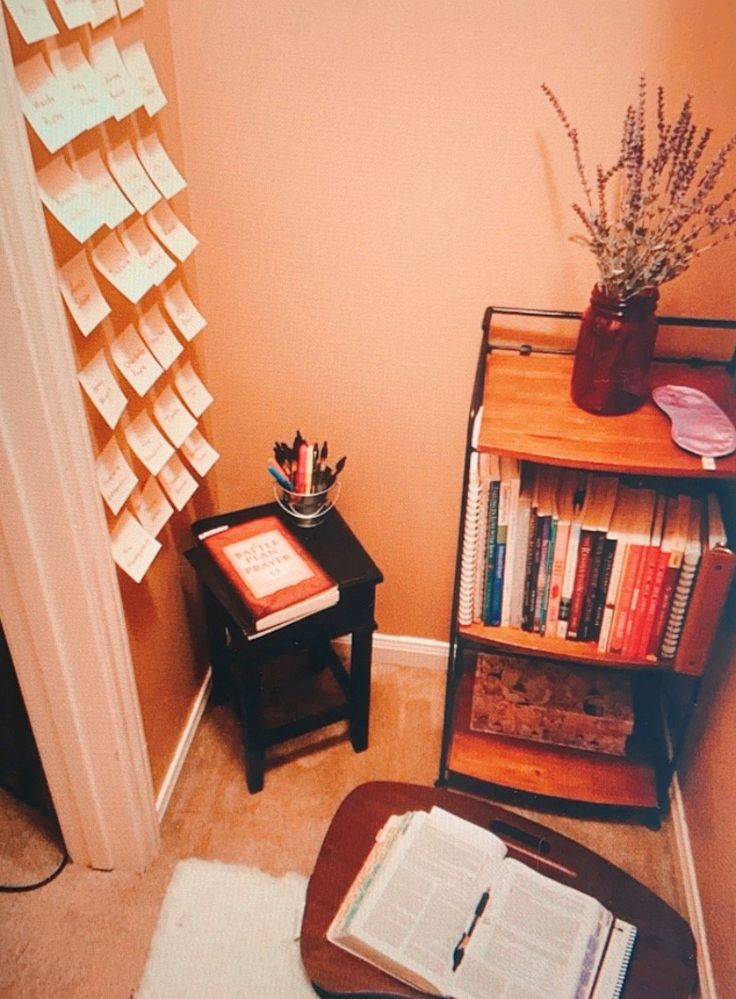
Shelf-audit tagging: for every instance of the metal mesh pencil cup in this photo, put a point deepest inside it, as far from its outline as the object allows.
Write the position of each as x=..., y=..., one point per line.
x=307, y=509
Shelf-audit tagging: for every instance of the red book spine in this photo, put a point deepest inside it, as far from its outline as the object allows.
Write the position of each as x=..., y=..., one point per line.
x=650, y=610
x=582, y=574
x=623, y=603
x=662, y=611
x=640, y=601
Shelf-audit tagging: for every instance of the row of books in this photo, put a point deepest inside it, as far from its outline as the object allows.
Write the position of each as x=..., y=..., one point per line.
x=583, y=556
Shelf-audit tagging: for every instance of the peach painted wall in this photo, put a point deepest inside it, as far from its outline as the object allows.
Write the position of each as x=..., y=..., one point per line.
x=709, y=791
x=365, y=177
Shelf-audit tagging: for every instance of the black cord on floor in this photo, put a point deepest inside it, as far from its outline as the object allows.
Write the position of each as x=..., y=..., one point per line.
x=39, y=884
x=32, y=886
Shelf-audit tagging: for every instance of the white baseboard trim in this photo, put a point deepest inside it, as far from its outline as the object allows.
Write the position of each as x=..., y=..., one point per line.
x=185, y=741
x=692, y=895
x=405, y=650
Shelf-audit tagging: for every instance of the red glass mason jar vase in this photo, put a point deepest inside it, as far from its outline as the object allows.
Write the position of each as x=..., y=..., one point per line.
x=614, y=352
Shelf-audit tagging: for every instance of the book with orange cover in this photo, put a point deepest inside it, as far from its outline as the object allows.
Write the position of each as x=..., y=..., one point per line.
x=617, y=537
x=636, y=539
x=642, y=594
x=275, y=576
x=659, y=567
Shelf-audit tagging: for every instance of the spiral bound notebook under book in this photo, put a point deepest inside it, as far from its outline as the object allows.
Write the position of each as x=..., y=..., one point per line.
x=612, y=972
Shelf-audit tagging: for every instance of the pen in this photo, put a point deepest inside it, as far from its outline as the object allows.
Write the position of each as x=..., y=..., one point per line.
x=212, y=530
x=459, y=952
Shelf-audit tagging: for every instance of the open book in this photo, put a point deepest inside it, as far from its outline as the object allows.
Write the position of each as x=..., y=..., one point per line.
x=439, y=905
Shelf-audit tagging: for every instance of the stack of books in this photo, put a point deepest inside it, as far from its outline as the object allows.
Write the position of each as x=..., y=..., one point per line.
x=589, y=557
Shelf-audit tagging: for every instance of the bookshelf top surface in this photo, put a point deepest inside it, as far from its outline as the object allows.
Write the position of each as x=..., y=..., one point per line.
x=528, y=413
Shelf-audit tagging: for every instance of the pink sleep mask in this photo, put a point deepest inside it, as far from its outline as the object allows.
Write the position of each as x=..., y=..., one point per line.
x=698, y=424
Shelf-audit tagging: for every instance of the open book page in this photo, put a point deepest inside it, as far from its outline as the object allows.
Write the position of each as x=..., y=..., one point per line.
x=536, y=939
x=365, y=877
x=413, y=912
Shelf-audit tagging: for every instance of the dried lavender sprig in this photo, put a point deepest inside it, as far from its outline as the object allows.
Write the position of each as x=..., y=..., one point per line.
x=660, y=220
x=573, y=136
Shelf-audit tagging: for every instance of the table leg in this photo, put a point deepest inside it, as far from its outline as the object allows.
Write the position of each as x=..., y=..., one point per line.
x=217, y=646
x=319, y=654
x=249, y=687
x=360, y=687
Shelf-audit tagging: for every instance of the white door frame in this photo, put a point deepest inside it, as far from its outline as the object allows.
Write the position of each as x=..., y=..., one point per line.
x=60, y=602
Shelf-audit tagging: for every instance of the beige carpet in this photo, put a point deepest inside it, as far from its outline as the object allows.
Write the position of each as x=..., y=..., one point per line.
x=87, y=934
x=31, y=848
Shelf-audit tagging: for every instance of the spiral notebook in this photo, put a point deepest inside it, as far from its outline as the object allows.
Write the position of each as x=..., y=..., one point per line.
x=612, y=972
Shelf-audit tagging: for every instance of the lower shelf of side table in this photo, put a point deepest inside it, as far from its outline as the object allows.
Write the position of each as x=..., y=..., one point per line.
x=559, y=771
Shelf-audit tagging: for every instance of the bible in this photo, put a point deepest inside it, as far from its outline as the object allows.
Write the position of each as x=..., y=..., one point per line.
x=440, y=905
x=276, y=578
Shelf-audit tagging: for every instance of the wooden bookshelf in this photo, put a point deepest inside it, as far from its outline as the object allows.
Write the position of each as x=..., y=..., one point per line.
x=521, y=408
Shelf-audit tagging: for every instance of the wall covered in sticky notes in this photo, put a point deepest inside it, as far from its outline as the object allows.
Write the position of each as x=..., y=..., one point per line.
x=97, y=91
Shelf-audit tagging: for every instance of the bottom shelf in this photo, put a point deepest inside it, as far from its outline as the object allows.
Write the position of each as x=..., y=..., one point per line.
x=559, y=771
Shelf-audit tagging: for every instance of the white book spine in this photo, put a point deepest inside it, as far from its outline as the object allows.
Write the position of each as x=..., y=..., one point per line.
x=611, y=595
x=511, y=541
x=484, y=475
x=523, y=518
x=611, y=976
x=568, y=578
x=470, y=545
x=475, y=433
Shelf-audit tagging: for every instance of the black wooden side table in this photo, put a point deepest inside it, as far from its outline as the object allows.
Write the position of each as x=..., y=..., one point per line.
x=340, y=553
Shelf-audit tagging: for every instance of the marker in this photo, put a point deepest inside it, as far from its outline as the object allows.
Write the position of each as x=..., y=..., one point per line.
x=301, y=468
x=280, y=477
x=308, y=468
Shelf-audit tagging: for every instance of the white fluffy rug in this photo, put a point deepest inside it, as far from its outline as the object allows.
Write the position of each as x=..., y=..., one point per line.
x=227, y=932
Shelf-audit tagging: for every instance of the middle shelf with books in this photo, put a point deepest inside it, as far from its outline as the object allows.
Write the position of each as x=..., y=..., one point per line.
x=593, y=565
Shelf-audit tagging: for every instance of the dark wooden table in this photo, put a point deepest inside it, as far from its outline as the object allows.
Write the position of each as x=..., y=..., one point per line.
x=663, y=961
x=232, y=652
